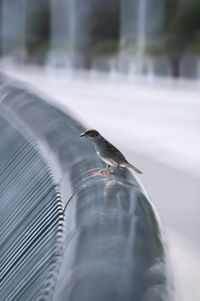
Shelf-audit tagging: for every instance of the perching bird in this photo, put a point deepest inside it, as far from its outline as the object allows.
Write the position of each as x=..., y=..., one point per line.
x=107, y=152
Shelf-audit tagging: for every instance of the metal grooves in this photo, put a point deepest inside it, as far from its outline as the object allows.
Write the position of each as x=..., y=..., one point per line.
x=113, y=247
x=31, y=221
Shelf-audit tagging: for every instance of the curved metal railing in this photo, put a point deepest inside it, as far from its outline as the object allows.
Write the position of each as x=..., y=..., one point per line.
x=113, y=246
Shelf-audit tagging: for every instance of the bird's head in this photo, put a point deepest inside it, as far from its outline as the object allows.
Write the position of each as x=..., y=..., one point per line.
x=91, y=134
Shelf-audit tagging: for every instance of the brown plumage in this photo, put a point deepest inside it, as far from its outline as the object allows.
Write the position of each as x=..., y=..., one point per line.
x=108, y=152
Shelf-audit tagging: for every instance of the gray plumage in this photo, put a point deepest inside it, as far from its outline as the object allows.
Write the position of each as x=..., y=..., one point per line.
x=108, y=152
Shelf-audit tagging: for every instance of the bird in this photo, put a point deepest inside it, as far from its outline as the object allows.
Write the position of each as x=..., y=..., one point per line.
x=107, y=152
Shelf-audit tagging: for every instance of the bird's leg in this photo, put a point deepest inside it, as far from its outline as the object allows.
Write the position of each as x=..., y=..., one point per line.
x=102, y=172
x=107, y=168
x=109, y=172
x=105, y=171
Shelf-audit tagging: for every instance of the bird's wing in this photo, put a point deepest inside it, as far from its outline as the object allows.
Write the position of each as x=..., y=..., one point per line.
x=115, y=152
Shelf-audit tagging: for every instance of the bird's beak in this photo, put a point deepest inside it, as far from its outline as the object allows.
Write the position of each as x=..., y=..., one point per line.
x=82, y=135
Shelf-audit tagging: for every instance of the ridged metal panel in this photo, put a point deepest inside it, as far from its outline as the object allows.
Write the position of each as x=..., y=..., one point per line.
x=114, y=248
x=30, y=218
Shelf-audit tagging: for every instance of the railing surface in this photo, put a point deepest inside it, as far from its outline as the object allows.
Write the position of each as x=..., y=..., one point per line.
x=113, y=248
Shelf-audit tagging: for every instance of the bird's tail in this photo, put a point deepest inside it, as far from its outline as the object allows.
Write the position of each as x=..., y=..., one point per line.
x=134, y=168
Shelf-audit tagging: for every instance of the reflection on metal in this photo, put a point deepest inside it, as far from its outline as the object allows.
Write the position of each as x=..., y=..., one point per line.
x=113, y=247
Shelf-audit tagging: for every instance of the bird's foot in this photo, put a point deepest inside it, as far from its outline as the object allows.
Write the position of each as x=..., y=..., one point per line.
x=102, y=172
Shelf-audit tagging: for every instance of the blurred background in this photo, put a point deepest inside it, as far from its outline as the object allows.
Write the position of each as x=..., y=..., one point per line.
x=154, y=37
x=131, y=69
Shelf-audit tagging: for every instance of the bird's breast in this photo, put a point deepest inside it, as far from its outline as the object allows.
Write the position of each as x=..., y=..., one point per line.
x=103, y=155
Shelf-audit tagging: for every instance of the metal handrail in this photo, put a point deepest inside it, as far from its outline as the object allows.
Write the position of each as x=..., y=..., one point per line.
x=114, y=247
